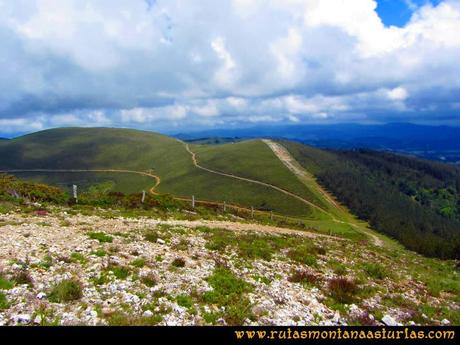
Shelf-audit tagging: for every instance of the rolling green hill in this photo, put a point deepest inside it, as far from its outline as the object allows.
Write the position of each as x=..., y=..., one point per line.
x=104, y=148
x=416, y=202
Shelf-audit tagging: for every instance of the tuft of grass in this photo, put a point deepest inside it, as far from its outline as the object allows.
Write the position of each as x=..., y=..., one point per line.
x=100, y=253
x=304, y=276
x=139, y=263
x=337, y=267
x=101, y=237
x=178, y=262
x=152, y=236
x=121, y=319
x=376, y=270
x=23, y=278
x=78, y=257
x=343, y=289
x=228, y=292
x=102, y=279
x=120, y=272
x=46, y=263
x=149, y=280
x=263, y=279
x=184, y=301
x=304, y=254
x=255, y=248
x=66, y=291
x=3, y=302
x=182, y=245
x=5, y=284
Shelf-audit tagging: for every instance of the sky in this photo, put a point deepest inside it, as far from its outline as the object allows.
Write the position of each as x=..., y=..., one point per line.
x=183, y=65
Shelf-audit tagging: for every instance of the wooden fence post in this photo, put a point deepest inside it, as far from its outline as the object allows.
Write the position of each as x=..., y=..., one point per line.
x=252, y=212
x=143, y=196
x=271, y=215
x=225, y=206
x=193, y=201
x=75, y=193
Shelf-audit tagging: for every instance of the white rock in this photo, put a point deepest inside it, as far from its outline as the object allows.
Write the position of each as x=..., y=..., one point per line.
x=221, y=322
x=38, y=320
x=41, y=295
x=445, y=322
x=160, y=241
x=22, y=318
x=389, y=321
x=147, y=313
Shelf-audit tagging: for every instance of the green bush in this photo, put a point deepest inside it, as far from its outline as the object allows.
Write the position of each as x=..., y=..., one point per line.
x=178, y=262
x=376, y=271
x=120, y=272
x=184, y=301
x=343, y=290
x=101, y=237
x=10, y=187
x=5, y=284
x=66, y=291
x=138, y=263
x=228, y=291
x=23, y=278
x=3, y=302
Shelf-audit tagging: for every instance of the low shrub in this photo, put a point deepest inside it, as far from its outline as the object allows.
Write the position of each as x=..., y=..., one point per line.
x=66, y=291
x=343, y=289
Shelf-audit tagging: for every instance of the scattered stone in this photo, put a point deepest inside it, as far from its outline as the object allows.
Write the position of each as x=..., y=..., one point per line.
x=445, y=322
x=147, y=313
x=110, y=281
x=389, y=321
x=41, y=295
x=22, y=319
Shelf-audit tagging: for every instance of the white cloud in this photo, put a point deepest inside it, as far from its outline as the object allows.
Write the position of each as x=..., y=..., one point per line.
x=172, y=63
x=226, y=74
x=20, y=125
x=398, y=94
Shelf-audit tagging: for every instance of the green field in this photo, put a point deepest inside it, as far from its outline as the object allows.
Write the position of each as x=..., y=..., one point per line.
x=103, y=148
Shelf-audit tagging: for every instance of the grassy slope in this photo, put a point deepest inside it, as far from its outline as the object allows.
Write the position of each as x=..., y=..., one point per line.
x=255, y=160
x=98, y=148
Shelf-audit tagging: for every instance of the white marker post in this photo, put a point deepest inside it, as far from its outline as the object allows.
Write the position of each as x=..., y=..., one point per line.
x=271, y=215
x=75, y=193
x=225, y=206
x=193, y=201
x=252, y=212
x=143, y=196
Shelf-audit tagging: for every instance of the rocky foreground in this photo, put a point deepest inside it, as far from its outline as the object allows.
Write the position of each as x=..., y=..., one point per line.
x=62, y=269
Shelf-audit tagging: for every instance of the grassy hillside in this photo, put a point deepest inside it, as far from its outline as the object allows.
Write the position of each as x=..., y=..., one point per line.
x=412, y=200
x=102, y=148
x=255, y=160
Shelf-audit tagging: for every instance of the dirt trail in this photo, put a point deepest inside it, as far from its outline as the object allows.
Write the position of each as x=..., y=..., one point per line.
x=285, y=157
x=238, y=226
x=309, y=203
x=304, y=176
x=157, y=179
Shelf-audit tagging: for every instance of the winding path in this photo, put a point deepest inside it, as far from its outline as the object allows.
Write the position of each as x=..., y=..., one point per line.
x=288, y=160
x=305, y=201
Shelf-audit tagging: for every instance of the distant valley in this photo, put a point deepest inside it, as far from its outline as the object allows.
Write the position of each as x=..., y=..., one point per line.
x=433, y=142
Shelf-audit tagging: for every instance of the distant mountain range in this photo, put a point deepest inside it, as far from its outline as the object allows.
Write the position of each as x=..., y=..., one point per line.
x=433, y=142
